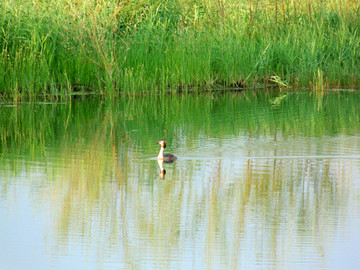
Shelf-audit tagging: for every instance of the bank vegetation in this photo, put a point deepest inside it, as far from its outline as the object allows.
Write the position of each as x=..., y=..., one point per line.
x=54, y=48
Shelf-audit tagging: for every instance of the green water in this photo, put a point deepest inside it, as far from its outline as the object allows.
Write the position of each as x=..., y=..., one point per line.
x=262, y=181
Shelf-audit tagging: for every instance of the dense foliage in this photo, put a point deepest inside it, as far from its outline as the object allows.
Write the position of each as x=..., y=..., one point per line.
x=50, y=48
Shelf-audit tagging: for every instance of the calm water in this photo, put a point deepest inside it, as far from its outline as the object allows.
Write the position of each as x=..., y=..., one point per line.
x=261, y=182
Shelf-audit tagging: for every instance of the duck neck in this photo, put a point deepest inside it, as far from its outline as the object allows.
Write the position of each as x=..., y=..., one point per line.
x=161, y=154
x=161, y=164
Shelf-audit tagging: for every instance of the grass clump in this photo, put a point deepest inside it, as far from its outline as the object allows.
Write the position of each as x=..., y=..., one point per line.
x=50, y=48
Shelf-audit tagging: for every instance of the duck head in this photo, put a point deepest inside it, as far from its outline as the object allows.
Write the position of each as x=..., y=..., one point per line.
x=162, y=143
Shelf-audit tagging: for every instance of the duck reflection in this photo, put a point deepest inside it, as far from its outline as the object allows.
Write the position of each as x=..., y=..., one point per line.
x=162, y=170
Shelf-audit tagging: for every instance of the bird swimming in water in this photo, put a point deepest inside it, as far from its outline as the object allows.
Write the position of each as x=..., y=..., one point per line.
x=167, y=158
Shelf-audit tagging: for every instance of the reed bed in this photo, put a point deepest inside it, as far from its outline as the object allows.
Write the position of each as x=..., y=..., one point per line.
x=56, y=48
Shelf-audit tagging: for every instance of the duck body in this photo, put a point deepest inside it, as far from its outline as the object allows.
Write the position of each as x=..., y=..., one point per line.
x=167, y=158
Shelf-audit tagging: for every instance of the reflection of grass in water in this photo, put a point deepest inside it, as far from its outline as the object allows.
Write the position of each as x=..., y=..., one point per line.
x=134, y=124
x=135, y=46
x=82, y=175
x=96, y=181
x=138, y=122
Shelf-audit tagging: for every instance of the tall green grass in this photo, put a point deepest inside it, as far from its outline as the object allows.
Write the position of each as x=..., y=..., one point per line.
x=50, y=48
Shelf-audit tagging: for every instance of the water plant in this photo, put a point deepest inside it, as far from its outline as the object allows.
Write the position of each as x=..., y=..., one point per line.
x=57, y=48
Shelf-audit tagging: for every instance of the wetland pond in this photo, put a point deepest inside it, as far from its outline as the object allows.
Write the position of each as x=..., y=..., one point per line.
x=262, y=181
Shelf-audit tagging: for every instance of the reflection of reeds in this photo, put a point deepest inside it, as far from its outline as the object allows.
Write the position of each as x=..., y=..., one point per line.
x=31, y=127
x=59, y=47
x=103, y=192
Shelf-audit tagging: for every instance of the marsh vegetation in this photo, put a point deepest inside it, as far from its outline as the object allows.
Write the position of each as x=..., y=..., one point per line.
x=55, y=48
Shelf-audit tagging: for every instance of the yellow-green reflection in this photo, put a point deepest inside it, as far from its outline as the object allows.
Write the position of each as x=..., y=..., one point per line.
x=255, y=183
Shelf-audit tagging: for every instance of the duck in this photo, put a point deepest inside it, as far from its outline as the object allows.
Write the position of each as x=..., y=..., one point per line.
x=167, y=158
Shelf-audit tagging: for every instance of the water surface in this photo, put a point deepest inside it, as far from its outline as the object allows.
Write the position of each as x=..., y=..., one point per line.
x=262, y=181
